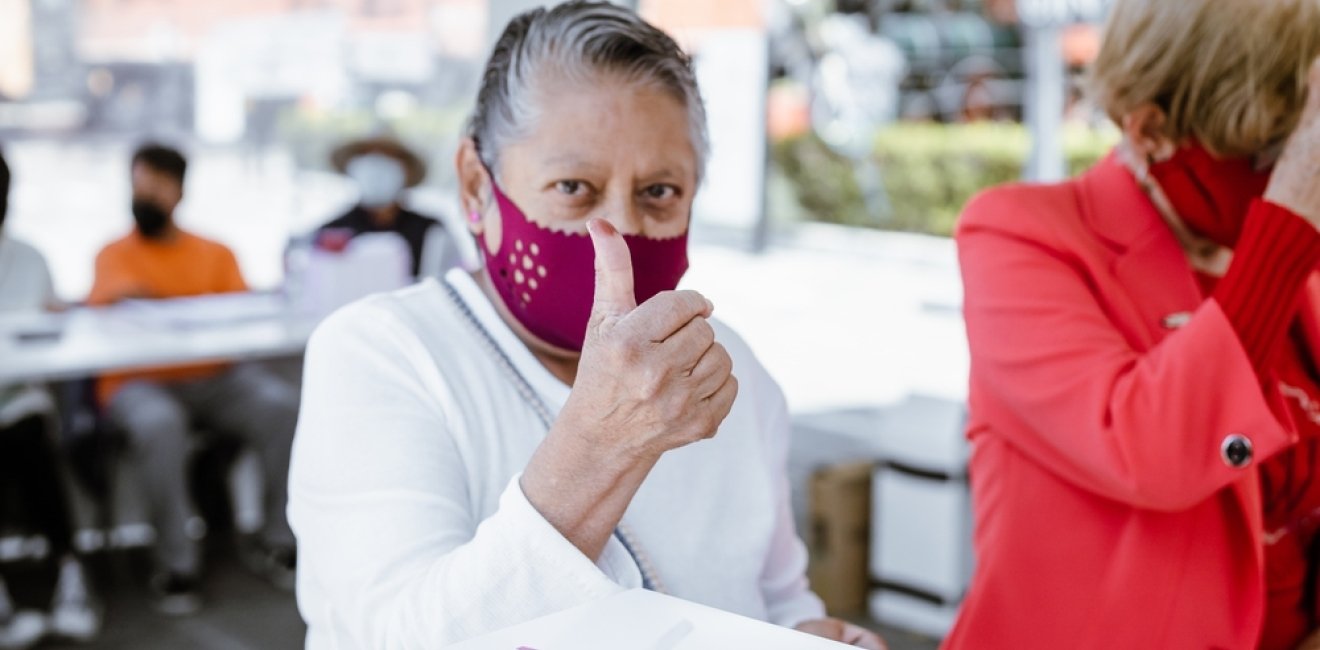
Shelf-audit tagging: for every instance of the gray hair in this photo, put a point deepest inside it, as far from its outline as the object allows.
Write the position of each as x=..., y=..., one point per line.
x=578, y=41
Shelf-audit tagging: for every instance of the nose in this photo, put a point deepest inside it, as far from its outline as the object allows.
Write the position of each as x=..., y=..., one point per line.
x=621, y=211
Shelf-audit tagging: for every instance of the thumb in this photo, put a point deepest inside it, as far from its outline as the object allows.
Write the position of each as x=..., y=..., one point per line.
x=614, y=272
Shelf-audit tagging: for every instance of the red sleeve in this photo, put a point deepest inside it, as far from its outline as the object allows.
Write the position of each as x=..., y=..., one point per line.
x=1278, y=250
x=1056, y=378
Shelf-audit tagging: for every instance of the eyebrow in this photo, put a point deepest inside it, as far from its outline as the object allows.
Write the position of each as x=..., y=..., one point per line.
x=567, y=159
x=667, y=173
x=663, y=174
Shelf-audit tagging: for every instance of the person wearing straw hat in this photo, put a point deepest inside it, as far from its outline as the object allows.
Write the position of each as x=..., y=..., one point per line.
x=382, y=168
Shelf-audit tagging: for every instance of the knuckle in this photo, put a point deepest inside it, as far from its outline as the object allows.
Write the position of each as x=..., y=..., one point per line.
x=700, y=431
x=696, y=301
x=649, y=383
x=733, y=389
x=627, y=350
x=707, y=332
x=667, y=297
x=723, y=357
x=686, y=300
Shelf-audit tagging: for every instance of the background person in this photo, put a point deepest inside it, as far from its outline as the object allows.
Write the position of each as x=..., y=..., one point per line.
x=33, y=496
x=158, y=408
x=382, y=168
x=1144, y=342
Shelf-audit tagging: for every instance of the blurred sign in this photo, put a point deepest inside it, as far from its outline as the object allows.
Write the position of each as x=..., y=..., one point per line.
x=1050, y=13
x=281, y=56
x=733, y=74
x=391, y=57
x=16, y=65
x=730, y=49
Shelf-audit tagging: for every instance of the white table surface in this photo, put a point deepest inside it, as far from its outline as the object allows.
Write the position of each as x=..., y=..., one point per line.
x=85, y=342
x=645, y=620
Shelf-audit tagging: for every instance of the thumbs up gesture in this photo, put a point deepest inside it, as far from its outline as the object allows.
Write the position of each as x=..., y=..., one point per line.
x=652, y=377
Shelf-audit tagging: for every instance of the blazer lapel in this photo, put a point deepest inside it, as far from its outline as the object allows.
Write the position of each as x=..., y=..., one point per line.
x=1157, y=287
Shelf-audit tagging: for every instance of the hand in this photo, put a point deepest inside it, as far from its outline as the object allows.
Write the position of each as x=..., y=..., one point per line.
x=129, y=291
x=1311, y=643
x=651, y=378
x=1295, y=183
x=836, y=630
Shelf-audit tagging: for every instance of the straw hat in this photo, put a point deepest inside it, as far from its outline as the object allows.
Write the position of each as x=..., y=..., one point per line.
x=414, y=168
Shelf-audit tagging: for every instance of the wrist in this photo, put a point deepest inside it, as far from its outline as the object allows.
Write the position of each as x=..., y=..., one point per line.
x=597, y=443
x=1282, y=200
x=581, y=489
x=570, y=461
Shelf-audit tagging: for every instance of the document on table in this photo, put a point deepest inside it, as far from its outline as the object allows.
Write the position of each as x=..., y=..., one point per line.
x=205, y=311
x=30, y=327
x=645, y=620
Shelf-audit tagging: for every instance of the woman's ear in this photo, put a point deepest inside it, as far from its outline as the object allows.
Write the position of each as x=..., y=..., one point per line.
x=473, y=184
x=1144, y=129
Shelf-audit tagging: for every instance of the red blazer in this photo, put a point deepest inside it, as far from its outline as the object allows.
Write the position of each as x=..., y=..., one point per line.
x=1104, y=392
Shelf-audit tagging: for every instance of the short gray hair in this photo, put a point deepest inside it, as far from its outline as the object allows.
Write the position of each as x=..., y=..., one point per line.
x=577, y=40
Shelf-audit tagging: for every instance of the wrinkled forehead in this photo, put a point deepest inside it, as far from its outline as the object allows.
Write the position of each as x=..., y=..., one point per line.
x=610, y=126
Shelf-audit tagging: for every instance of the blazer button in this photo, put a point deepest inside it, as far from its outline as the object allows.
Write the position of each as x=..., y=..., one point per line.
x=1237, y=450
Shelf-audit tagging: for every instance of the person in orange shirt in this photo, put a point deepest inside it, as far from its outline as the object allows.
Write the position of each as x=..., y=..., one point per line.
x=157, y=408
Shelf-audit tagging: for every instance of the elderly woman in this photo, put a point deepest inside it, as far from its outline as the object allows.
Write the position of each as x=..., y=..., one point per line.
x=561, y=424
x=1145, y=394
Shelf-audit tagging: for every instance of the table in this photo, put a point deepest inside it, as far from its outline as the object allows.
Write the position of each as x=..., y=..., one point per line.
x=645, y=620
x=84, y=342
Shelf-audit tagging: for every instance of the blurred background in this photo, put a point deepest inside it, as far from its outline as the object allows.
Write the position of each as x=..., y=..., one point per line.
x=847, y=135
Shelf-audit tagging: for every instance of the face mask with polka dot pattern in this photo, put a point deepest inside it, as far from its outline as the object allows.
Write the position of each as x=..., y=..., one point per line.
x=547, y=279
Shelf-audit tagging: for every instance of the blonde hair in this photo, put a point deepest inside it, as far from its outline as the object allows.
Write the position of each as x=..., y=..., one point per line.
x=1231, y=73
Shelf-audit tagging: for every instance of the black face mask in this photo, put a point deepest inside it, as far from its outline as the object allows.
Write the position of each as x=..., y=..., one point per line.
x=151, y=220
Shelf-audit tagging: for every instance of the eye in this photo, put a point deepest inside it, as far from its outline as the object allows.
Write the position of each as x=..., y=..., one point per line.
x=660, y=192
x=571, y=188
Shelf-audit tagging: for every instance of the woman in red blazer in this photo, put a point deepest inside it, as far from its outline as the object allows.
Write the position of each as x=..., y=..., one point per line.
x=1145, y=339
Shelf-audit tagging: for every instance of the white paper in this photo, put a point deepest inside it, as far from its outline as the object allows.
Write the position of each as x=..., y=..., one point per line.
x=645, y=620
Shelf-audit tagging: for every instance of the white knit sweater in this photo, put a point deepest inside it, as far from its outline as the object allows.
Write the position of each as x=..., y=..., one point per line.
x=413, y=531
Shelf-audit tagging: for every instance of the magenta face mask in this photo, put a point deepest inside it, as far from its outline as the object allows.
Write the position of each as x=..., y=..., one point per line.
x=547, y=279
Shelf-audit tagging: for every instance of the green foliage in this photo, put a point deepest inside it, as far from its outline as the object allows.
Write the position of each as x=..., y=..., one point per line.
x=928, y=172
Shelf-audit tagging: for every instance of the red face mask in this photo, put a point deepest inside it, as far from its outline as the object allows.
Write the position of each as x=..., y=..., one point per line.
x=547, y=279
x=1212, y=195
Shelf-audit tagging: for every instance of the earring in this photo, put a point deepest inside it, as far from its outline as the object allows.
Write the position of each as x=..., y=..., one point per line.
x=474, y=216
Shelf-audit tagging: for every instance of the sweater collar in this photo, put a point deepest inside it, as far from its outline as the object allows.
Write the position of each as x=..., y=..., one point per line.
x=551, y=390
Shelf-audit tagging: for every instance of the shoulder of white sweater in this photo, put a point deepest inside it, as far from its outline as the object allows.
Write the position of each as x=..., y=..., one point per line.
x=738, y=348
x=388, y=315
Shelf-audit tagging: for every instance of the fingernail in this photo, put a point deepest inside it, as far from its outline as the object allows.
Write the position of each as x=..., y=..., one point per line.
x=710, y=306
x=602, y=227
